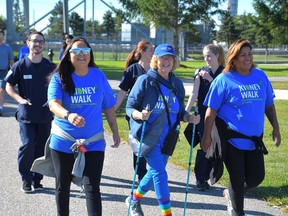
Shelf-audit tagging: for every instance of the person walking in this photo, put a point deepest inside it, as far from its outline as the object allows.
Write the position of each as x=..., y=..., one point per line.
x=34, y=117
x=137, y=63
x=240, y=97
x=78, y=92
x=160, y=89
x=67, y=40
x=24, y=50
x=214, y=56
x=6, y=62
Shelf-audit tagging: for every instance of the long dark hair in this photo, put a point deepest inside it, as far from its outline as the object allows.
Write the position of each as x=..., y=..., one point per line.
x=65, y=68
x=135, y=55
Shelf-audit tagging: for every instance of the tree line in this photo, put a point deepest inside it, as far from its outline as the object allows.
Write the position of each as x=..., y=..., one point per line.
x=266, y=27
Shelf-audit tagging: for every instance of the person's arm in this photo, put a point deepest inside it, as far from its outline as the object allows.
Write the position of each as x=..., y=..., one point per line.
x=111, y=118
x=270, y=112
x=208, y=123
x=11, y=62
x=11, y=91
x=120, y=97
x=194, y=95
x=56, y=107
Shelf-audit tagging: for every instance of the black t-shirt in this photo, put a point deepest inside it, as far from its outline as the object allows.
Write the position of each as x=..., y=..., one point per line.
x=130, y=76
x=32, y=82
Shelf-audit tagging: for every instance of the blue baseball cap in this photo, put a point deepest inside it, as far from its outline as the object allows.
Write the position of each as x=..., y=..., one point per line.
x=164, y=49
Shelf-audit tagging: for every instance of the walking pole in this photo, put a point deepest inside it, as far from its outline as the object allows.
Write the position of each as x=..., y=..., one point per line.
x=190, y=159
x=137, y=160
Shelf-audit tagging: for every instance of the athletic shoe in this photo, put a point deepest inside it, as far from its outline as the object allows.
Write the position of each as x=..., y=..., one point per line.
x=38, y=187
x=26, y=187
x=230, y=209
x=200, y=186
x=135, y=207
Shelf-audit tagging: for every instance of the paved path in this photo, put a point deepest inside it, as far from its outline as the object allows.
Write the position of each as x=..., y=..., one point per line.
x=115, y=186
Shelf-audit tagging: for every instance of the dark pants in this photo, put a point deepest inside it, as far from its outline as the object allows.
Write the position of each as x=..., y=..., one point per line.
x=63, y=165
x=33, y=138
x=246, y=171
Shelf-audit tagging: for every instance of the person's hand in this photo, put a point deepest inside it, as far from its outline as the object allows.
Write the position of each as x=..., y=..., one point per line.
x=205, y=142
x=24, y=101
x=195, y=119
x=76, y=120
x=205, y=75
x=276, y=136
x=145, y=115
x=117, y=140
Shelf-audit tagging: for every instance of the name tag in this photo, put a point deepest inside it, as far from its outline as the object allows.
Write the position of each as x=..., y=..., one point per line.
x=29, y=76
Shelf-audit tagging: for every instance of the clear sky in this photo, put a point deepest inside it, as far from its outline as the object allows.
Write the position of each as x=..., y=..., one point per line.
x=38, y=8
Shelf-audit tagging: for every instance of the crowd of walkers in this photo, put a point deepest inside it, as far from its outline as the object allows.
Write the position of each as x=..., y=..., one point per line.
x=61, y=125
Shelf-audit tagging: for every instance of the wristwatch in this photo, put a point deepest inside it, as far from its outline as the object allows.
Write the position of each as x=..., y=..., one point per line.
x=67, y=115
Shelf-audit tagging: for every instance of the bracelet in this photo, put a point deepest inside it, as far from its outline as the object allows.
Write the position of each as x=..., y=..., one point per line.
x=66, y=115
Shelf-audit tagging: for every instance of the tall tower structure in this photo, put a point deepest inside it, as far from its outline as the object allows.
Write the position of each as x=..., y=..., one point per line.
x=233, y=7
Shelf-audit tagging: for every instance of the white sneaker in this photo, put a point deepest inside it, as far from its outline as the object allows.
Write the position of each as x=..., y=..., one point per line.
x=135, y=207
x=230, y=209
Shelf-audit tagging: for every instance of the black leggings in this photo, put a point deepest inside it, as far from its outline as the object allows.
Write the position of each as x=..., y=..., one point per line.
x=63, y=165
x=246, y=171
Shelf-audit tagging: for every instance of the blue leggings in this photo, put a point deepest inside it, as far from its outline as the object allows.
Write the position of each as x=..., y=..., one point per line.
x=156, y=174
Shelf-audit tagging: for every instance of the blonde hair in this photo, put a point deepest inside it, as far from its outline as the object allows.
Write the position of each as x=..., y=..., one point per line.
x=233, y=53
x=217, y=49
x=155, y=59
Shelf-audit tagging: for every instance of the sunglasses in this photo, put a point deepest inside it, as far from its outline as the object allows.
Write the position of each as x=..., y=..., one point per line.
x=37, y=41
x=77, y=51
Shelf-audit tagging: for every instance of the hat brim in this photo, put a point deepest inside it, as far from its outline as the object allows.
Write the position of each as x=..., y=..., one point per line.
x=165, y=53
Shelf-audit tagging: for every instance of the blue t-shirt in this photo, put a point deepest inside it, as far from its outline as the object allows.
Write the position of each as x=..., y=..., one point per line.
x=6, y=55
x=159, y=107
x=92, y=95
x=240, y=102
x=23, y=52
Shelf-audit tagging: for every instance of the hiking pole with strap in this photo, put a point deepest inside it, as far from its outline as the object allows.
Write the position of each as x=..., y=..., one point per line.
x=137, y=160
x=190, y=160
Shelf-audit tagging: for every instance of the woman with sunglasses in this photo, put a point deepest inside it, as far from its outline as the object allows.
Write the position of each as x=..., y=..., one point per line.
x=78, y=92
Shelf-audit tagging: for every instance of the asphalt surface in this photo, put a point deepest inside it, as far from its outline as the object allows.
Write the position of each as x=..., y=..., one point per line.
x=115, y=186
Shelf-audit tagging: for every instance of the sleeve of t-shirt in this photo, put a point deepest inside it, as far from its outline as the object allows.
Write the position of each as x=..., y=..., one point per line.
x=127, y=80
x=215, y=95
x=13, y=75
x=270, y=94
x=54, y=88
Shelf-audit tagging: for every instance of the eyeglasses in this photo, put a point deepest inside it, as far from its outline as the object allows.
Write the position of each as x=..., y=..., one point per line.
x=37, y=41
x=77, y=51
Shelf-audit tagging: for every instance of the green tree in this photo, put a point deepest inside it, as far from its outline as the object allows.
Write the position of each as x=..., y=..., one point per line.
x=273, y=18
x=56, y=19
x=76, y=24
x=227, y=32
x=2, y=22
x=171, y=14
x=108, y=25
x=96, y=33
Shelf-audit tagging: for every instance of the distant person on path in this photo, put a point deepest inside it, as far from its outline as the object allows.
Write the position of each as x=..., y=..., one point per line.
x=78, y=93
x=67, y=40
x=34, y=117
x=137, y=63
x=152, y=88
x=241, y=97
x=24, y=50
x=6, y=62
x=214, y=56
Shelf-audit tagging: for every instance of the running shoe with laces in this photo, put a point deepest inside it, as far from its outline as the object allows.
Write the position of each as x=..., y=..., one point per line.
x=135, y=207
x=26, y=187
x=38, y=187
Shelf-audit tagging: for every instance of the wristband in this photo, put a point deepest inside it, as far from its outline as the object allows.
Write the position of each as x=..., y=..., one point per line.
x=67, y=115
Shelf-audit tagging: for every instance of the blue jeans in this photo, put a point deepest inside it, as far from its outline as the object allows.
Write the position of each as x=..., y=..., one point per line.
x=156, y=174
x=33, y=138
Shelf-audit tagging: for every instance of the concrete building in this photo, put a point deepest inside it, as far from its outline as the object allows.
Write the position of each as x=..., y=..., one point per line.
x=233, y=7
